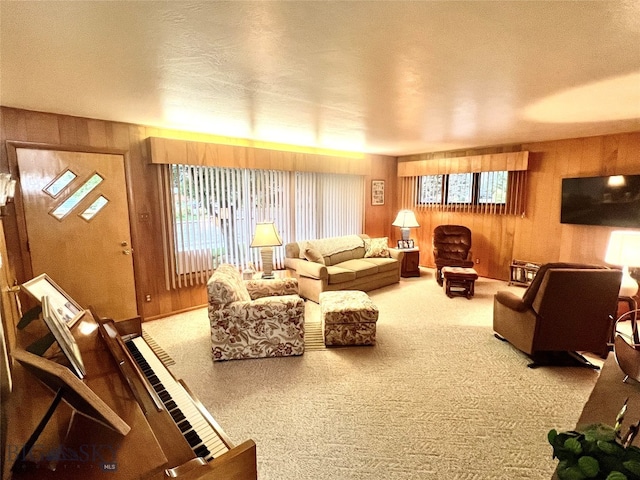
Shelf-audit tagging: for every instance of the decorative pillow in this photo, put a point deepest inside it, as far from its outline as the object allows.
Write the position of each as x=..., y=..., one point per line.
x=377, y=247
x=313, y=255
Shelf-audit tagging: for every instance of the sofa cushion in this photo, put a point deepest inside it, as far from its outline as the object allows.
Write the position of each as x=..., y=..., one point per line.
x=383, y=264
x=360, y=266
x=343, y=256
x=339, y=275
x=313, y=255
x=333, y=249
x=377, y=247
x=226, y=286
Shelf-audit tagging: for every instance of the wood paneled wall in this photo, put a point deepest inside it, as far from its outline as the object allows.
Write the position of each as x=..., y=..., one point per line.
x=55, y=131
x=538, y=236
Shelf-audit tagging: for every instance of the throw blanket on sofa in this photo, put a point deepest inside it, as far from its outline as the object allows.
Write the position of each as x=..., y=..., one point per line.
x=330, y=246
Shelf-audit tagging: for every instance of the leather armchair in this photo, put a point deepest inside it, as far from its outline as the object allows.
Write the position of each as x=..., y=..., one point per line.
x=254, y=318
x=567, y=308
x=451, y=248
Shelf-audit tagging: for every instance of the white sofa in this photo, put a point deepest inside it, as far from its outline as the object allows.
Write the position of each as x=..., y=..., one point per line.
x=350, y=262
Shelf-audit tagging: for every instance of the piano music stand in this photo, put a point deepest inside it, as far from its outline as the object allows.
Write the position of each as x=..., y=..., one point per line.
x=69, y=388
x=61, y=302
x=42, y=344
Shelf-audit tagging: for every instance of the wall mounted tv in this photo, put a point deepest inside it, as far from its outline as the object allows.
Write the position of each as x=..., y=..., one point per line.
x=612, y=201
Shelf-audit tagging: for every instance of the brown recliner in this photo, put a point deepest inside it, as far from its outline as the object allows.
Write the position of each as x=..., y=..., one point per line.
x=451, y=248
x=567, y=308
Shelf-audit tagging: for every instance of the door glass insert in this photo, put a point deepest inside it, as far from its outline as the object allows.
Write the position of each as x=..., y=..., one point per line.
x=76, y=197
x=97, y=205
x=59, y=183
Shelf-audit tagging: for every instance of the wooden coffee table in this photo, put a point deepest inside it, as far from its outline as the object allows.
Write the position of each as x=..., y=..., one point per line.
x=459, y=281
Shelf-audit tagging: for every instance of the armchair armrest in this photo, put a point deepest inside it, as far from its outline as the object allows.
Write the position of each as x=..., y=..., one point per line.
x=396, y=253
x=275, y=306
x=511, y=301
x=312, y=270
x=273, y=287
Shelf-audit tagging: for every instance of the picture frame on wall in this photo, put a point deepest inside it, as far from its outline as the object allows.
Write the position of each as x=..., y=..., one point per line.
x=377, y=192
x=60, y=301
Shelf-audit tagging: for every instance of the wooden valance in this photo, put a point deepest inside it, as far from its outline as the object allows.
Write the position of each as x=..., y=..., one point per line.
x=513, y=161
x=189, y=152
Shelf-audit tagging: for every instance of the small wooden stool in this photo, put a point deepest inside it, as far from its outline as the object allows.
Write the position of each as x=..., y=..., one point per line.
x=459, y=281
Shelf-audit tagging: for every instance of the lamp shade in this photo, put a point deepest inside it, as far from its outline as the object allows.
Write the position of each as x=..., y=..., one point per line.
x=624, y=248
x=266, y=235
x=405, y=219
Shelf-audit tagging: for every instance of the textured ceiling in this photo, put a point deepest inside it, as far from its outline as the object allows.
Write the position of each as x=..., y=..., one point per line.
x=387, y=77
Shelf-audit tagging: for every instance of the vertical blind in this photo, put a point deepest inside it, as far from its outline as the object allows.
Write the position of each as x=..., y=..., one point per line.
x=209, y=214
x=489, y=201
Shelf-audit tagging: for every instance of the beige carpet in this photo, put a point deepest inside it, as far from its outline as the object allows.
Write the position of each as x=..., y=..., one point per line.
x=437, y=398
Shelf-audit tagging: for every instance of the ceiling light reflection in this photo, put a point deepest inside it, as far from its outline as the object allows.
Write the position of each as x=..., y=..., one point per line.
x=207, y=128
x=615, y=98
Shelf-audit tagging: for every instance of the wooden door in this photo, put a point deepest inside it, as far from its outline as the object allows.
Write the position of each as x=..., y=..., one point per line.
x=78, y=230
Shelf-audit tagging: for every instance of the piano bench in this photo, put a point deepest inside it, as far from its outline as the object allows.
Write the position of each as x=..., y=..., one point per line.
x=348, y=318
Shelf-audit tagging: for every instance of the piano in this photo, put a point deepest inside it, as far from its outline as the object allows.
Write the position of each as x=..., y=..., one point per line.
x=172, y=435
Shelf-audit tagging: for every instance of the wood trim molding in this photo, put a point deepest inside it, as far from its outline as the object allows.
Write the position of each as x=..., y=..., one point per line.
x=188, y=152
x=512, y=161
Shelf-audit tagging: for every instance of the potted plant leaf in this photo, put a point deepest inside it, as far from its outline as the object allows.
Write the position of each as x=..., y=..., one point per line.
x=597, y=452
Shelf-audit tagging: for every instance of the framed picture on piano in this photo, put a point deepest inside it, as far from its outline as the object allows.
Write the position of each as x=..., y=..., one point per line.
x=60, y=301
x=62, y=334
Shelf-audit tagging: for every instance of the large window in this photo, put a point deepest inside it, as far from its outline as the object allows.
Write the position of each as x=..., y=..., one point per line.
x=212, y=211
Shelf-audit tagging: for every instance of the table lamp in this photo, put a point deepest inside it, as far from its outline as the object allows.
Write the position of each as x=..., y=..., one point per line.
x=266, y=237
x=624, y=250
x=405, y=220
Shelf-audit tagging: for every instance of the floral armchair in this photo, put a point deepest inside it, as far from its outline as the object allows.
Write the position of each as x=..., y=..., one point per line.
x=254, y=318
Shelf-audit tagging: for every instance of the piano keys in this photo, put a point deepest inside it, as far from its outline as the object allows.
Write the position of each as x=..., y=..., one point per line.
x=195, y=427
x=160, y=443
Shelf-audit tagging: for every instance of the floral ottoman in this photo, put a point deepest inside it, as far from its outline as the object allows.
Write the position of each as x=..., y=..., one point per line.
x=348, y=318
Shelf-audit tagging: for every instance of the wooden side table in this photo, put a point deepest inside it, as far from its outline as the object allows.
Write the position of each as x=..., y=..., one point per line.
x=410, y=262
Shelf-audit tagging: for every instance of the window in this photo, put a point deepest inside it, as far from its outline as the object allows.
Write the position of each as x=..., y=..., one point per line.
x=483, y=188
x=460, y=188
x=211, y=212
x=493, y=187
x=431, y=189
x=76, y=197
x=61, y=182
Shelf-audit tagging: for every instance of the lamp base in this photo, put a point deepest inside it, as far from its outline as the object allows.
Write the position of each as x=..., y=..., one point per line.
x=628, y=287
x=405, y=233
x=267, y=262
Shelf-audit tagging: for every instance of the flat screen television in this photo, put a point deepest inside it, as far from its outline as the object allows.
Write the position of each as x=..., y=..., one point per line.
x=612, y=201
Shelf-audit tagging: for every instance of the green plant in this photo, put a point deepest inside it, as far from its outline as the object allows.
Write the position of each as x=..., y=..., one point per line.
x=597, y=452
